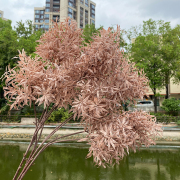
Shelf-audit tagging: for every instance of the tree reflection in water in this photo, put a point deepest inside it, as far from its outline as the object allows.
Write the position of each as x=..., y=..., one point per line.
x=69, y=163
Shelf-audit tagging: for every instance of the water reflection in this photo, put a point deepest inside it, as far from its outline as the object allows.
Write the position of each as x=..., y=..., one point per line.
x=69, y=163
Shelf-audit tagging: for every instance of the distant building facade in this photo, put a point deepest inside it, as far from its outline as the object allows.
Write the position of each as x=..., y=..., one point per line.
x=83, y=11
x=2, y=15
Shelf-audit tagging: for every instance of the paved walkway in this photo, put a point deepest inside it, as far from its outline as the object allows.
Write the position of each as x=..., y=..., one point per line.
x=170, y=132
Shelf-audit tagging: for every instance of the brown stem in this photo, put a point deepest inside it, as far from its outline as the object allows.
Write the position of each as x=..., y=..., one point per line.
x=32, y=159
x=43, y=118
x=35, y=113
x=24, y=156
x=23, y=174
x=55, y=140
x=34, y=138
x=53, y=132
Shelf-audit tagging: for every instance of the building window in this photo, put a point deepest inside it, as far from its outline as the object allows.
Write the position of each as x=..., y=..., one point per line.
x=56, y=6
x=36, y=20
x=41, y=21
x=86, y=3
x=54, y=18
x=36, y=16
x=93, y=11
x=42, y=17
x=47, y=0
x=46, y=15
x=92, y=21
x=42, y=26
x=47, y=5
x=72, y=3
x=92, y=6
x=42, y=12
x=81, y=26
x=46, y=26
x=37, y=11
x=93, y=16
x=81, y=17
x=47, y=10
x=82, y=1
x=46, y=20
x=74, y=15
x=81, y=11
x=70, y=10
x=56, y=1
x=71, y=13
x=37, y=26
x=86, y=17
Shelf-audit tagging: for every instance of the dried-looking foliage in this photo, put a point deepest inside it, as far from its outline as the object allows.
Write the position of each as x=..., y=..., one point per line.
x=96, y=80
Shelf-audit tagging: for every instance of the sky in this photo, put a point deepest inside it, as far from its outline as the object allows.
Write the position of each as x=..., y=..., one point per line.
x=126, y=13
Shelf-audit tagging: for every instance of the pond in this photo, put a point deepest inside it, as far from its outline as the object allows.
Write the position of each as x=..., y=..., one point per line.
x=68, y=162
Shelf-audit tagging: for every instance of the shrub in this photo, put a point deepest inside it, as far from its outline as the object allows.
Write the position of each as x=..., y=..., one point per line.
x=171, y=106
x=178, y=122
x=59, y=115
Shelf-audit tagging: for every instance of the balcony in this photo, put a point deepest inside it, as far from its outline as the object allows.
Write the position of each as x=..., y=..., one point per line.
x=56, y=9
x=54, y=18
x=56, y=2
x=81, y=21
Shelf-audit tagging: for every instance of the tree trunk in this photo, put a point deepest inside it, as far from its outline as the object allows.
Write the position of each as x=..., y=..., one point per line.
x=167, y=91
x=1, y=97
x=167, y=81
x=155, y=101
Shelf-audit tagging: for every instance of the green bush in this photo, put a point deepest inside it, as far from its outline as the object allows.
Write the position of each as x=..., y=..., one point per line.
x=171, y=106
x=165, y=118
x=59, y=115
x=8, y=119
x=4, y=110
x=178, y=122
x=158, y=114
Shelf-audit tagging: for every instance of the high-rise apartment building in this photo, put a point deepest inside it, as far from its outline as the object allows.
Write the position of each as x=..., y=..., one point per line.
x=83, y=11
x=1, y=15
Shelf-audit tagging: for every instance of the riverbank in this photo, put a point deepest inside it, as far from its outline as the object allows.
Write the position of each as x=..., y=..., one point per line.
x=18, y=132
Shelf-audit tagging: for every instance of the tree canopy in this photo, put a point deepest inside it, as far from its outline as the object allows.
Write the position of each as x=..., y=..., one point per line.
x=27, y=36
x=12, y=40
x=8, y=50
x=156, y=50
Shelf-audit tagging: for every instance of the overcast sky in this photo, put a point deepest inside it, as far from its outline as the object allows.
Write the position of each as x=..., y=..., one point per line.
x=125, y=13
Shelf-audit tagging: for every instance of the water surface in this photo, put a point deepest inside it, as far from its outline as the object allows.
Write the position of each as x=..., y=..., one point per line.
x=68, y=162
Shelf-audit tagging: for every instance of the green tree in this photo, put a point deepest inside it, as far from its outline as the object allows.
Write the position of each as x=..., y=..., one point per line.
x=89, y=31
x=156, y=50
x=27, y=37
x=60, y=115
x=171, y=106
x=8, y=50
x=12, y=40
x=171, y=53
